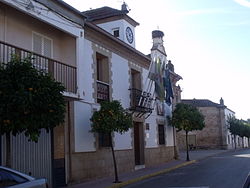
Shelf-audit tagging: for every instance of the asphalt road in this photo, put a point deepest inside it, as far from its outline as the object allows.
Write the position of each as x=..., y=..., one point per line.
x=227, y=170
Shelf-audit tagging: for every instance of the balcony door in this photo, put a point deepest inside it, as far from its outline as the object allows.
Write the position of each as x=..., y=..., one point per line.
x=102, y=78
x=136, y=79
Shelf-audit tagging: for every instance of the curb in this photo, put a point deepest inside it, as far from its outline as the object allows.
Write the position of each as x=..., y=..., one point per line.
x=151, y=175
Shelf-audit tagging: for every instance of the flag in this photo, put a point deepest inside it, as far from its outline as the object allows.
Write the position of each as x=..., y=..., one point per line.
x=156, y=74
x=152, y=70
x=168, y=87
x=159, y=87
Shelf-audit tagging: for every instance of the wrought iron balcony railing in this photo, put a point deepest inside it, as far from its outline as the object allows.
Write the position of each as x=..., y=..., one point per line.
x=66, y=74
x=141, y=102
x=102, y=91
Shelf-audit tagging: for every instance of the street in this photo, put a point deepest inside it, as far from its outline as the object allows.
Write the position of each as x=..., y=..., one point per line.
x=227, y=170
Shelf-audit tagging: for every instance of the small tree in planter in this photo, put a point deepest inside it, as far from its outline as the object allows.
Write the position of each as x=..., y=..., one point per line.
x=30, y=100
x=111, y=118
x=188, y=118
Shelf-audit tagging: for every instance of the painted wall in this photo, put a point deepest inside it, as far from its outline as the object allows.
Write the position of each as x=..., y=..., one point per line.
x=84, y=140
x=86, y=76
x=122, y=25
x=120, y=78
x=227, y=132
x=2, y=22
x=151, y=138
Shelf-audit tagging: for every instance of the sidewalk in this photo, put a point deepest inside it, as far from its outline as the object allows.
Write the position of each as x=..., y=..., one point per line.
x=135, y=176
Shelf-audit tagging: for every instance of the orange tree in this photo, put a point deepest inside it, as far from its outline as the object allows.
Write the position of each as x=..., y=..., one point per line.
x=187, y=118
x=30, y=100
x=111, y=118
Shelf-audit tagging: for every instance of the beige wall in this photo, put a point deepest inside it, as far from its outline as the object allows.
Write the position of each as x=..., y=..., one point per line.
x=2, y=25
x=211, y=135
x=159, y=155
x=92, y=165
x=19, y=28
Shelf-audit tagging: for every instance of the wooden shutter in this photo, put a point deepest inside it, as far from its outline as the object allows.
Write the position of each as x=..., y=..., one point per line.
x=37, y=43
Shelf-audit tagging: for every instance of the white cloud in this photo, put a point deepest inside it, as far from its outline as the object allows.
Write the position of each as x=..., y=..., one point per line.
x=205, y=11
x=244, y=3
x=241, y=23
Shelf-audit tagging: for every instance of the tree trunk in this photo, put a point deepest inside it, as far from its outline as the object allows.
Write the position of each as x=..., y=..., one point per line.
x=8, y=153
x=114, y=160
x=242, y=139
x=234, y=141
x=187, y=146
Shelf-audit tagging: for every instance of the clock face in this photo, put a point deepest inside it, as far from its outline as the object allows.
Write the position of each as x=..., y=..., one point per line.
x=129, y=35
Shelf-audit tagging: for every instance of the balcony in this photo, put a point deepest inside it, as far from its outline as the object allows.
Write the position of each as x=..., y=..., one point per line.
x=66, y=74
x=102, y=91
x=141, y=102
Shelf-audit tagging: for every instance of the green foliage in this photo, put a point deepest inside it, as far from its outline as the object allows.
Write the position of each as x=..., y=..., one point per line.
x=234, y=125
x=188, y=118
x=111, y=118
x=29, y=99
x=238, y=127
x=247, y=130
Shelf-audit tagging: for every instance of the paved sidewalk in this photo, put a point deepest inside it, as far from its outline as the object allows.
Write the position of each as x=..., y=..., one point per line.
x=131, y=177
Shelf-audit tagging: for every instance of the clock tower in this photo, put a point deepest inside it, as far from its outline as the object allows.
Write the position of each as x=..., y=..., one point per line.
x=116, y=22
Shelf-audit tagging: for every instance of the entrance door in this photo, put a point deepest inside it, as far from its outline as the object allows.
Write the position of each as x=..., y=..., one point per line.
x=139, y=143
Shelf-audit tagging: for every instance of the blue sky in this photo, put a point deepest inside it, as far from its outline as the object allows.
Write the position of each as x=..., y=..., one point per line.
x=208, y=41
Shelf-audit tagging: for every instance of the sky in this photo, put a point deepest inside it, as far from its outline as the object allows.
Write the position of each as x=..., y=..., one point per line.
x=208, y=41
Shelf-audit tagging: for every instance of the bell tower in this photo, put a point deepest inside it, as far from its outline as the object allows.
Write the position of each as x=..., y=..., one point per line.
x=116, y=22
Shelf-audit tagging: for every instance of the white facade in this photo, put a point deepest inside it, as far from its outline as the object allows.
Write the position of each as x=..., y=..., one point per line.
x=121, y=25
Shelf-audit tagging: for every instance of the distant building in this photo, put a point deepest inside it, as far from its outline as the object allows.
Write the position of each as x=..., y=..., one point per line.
x=216, y=133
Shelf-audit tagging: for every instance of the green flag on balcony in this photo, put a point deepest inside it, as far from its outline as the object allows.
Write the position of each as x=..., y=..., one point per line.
x=156, y=74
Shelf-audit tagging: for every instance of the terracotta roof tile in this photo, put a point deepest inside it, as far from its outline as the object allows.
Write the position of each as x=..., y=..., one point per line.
x=103, y=12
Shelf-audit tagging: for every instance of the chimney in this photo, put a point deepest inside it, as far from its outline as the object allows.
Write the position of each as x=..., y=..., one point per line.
x=221, y=101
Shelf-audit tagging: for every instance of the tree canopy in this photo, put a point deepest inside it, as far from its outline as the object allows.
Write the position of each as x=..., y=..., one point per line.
x=30, y=100
x=238, y=127
x=187, y=117
x=111, y=118
x=234, y=125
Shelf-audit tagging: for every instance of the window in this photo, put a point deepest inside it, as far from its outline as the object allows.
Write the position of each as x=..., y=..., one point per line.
x=116, y=33
x=102, y=67
x=136, y=79
x=104, y=140
x=42, y=45
x=161, y=134
x=102, y=71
